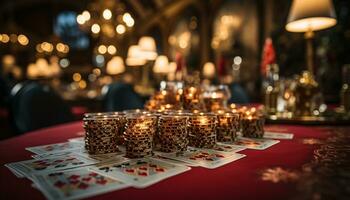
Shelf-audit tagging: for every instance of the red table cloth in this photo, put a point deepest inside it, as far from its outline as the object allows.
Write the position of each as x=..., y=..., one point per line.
x=242, y=179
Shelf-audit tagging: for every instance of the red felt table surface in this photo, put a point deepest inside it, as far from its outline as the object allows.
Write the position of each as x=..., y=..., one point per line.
x=237, y=180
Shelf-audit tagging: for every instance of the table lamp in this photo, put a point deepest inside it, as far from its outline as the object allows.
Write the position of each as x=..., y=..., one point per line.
x=134, y=57
x=161, y=66
x=308, y=16
x=115, y=66
x=209, y=70
x=148, y=47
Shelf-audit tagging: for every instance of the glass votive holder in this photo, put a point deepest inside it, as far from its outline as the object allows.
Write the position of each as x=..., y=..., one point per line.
x=215, y=97
x=253, y=126
x=172, y=133
x=138, y=135
x=227, y=126
x=102, y=132
x=202, y=130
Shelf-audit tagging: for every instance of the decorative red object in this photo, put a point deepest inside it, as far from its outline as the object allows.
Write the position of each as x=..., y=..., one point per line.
x=268, y=55
x=180, y=62
x=221, y=66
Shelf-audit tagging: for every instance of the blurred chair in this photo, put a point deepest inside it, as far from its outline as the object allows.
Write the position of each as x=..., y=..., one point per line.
x=121, y=96
x=238, y=94
x=36, y=106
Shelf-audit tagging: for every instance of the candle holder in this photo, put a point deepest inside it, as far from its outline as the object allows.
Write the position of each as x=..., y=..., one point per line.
x=138, y=135
x=102, y=132
x=202, y=130
x=215, y=97
x=253, y=126
x=172, y=133
x=227, y=126
x=192, y=99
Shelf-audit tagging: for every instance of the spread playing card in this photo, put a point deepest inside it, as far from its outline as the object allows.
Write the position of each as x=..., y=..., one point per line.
x=228, y=147
x=52, y=148
x=140, y=173
x=207, y=158
x=75, y=183
x=160, y=156
x=253, y=143
x=276, y=135
x=80, y=140
x=29, y=167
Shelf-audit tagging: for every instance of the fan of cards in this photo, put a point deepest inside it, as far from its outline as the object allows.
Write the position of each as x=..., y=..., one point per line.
x=66, y=170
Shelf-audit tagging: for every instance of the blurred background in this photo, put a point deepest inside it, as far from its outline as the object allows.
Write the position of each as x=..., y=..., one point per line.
x=62, y=58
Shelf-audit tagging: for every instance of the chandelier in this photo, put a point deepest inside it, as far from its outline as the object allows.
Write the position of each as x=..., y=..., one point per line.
x=106, y=18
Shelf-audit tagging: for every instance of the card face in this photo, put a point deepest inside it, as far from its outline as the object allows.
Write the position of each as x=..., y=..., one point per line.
x=207, y=158
x=228, y=147
x=52, y=148
x=80, y=140
x=102, y=157
x=276, y=135
x=29, y=167
x=75, y=183
x=60, y=153
x=253, y=143
x=140, y=173
x=160, y=156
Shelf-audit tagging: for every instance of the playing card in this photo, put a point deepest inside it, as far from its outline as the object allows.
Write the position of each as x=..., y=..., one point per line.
x=80, y=140
x=102, y=157
x=253, y=143
x=60, y=153
x=52, y=148
x=160, y=156
x=207, y=158
x=276, y=135
x=75, y=184
x=228, y=147
x=140, y=173
x=29, y=167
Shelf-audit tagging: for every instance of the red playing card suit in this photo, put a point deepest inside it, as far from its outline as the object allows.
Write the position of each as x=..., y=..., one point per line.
x=83, y=186
x=59, y=184
x=74, y=176
x=143, y=168
x=160, y=170
x=143, y=174
x=86, y=179
x=93, y=174
x=219, y=156
x=101, y=182
x=74, y=181
x=130, y=170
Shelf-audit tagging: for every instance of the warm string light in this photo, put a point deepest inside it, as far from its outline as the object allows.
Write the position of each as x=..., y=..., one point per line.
x=103, y=21
x=47, y=47
x=14, y=38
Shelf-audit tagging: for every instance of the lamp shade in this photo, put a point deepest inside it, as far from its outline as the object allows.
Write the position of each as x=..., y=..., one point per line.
x=209, y=70
x=161, y=65
x=135, y=57
x=311, y=15
x=148, y=47
x=115, y=66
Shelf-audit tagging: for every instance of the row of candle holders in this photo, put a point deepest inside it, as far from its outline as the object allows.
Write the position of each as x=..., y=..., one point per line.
x=172, y=131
